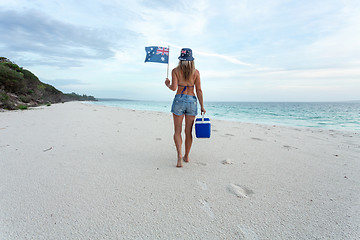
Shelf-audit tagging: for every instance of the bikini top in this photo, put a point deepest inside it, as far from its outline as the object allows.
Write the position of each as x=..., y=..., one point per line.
x=185, y=87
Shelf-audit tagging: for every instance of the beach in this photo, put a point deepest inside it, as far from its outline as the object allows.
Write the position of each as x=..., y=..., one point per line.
x=81, y=171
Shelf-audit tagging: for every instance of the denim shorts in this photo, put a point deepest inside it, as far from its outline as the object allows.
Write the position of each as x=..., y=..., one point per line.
x=184, y=104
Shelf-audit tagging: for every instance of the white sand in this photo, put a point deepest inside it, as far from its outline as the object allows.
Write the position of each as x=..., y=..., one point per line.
x=78, y=171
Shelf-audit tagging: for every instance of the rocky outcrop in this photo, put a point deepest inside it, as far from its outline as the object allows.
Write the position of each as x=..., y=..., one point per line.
x=20, y=88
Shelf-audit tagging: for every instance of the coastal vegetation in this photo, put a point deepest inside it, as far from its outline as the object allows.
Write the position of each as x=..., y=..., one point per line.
x=20, y=89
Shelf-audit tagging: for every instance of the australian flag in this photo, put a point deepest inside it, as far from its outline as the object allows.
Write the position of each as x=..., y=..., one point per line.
x=157, y=54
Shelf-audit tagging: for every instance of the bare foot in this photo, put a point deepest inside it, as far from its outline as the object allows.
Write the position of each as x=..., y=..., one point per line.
x=179, y=163
x=186, y=159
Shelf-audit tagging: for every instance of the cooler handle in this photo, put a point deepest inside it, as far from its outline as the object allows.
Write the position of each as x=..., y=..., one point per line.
x=202, y=115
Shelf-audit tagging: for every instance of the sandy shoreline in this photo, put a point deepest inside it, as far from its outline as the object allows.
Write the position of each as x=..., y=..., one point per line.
x=79, y=171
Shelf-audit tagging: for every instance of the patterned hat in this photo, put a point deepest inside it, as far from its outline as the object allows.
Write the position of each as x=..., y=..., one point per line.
x=186, y=55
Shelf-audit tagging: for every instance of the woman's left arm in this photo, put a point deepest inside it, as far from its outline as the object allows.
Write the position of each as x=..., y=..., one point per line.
x=173, y=85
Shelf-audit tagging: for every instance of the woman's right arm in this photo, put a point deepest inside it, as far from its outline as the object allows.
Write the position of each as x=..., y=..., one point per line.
x=174, y=83
x=199, y=93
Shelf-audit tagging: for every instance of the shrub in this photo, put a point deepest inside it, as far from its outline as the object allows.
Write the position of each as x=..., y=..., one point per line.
x=41, y=86
x=4, y=97
x=12, y=81
x=24, y=99
x=13, y=66
x=22, y=107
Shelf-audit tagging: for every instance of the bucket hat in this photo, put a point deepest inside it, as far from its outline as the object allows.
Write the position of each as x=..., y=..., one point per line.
x=186, y=55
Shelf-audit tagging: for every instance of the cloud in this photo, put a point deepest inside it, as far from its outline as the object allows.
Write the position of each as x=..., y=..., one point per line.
x=227, y=58
x=329, y=73
x=158, y=23
x=63, y=82
x=254, y=49
x=32, y=33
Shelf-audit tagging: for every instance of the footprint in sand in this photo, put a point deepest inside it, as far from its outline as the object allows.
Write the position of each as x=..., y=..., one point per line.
x=200, y=163
x=227, y=161
x=202, y=185
x=247, y=233
x=239, y=191
x=206, y=207
x=289, y=147
x=227, y=135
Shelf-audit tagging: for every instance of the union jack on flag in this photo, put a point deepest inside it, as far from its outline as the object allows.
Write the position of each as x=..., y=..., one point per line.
x=157, y=54
x=162, y=51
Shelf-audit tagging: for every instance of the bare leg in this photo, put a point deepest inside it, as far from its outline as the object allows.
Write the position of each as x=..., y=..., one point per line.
x=189, y=123
x=177, y=137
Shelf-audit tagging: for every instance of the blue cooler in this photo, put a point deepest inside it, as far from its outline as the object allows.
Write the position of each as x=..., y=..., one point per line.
x=202, y=127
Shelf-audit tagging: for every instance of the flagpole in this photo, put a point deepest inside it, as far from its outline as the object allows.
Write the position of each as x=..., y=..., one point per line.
x=167, y=73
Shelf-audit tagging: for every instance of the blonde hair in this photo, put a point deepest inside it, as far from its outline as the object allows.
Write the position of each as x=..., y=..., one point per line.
x=187, y=68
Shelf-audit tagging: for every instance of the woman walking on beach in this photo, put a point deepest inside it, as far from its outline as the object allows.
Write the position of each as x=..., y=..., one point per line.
x=185, y=79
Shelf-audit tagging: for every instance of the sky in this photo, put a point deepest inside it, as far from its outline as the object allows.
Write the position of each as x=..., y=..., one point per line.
x=279, y=50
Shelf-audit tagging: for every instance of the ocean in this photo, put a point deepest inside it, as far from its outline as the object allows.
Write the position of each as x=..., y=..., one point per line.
x=327, y=115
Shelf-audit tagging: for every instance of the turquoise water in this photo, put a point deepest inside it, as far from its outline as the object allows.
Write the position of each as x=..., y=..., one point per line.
x=337, y=115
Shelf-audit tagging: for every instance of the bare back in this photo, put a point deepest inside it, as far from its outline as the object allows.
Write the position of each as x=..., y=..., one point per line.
x=181, y=82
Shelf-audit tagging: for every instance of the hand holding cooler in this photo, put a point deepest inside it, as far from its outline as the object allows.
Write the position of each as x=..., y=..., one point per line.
x=202, y=127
